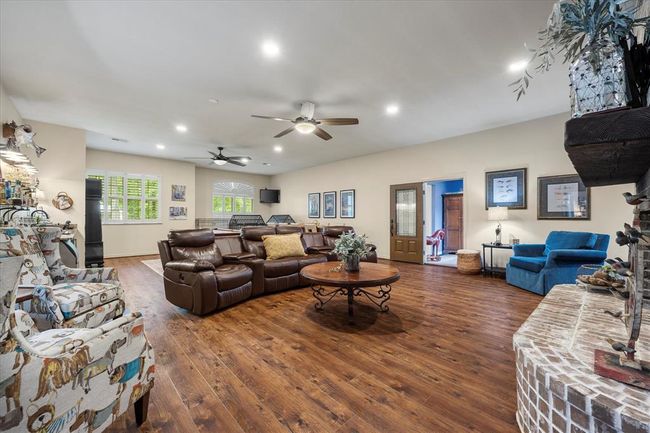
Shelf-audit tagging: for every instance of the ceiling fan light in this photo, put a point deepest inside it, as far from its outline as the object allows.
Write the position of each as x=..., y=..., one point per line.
x=305, y=127
x=220, y=162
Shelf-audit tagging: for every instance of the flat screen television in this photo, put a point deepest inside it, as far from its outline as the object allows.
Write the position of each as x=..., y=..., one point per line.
x=269, y=195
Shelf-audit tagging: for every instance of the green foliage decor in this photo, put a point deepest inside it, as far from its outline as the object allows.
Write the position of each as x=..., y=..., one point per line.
x=350, y=244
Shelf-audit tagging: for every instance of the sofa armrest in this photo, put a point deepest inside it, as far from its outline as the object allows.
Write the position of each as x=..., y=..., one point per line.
x=320, y=249
x=238, y=257
x=190, y=265
x=87, y=275
x=257, y=266
x=528, y=250
x=580, y=256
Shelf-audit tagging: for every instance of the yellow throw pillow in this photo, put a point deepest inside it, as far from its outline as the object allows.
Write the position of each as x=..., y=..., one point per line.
x=280, y=246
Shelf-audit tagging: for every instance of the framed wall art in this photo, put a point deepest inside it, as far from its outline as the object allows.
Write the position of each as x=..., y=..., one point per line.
x=313, y=205
x=347, y=203
x=177, y=213
x=563, y=198
x=178, y=192
x=329, y=204
x=506, y=188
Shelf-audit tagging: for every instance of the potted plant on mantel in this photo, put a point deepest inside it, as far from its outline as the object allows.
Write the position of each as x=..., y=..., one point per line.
x=607, y=43
x=351, y=248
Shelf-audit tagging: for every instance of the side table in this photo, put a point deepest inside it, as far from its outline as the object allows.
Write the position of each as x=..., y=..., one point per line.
x=492, y=270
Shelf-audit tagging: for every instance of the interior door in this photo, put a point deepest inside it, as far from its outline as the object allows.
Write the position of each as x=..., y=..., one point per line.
x=406, y=222
x=452, y=205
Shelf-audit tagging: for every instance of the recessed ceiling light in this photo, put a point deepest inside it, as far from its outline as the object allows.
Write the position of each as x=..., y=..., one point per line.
x=160, y=146
x=181, y=128
x=270, y=49
x=392, y=109
x=213, y=100
x=518, y=66
x=277, y=148
x=267, y=164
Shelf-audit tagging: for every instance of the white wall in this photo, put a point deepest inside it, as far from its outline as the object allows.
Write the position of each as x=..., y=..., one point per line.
x=8, y=111
x=206, y=178
x=537, y=145
x=138, y=239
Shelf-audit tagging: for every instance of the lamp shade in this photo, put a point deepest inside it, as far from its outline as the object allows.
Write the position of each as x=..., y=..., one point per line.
x=497, y=213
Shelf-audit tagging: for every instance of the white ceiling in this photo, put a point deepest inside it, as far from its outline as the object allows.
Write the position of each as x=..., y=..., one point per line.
x=134, y=69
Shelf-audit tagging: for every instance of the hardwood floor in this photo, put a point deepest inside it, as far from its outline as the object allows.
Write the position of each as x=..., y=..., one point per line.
x=439, y=361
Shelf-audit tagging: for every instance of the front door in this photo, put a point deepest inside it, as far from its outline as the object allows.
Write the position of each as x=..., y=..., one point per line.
x=406, y=222
x=452, y=205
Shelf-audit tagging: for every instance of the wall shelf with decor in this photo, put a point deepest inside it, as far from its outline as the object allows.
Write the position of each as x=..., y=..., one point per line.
x=610, y=148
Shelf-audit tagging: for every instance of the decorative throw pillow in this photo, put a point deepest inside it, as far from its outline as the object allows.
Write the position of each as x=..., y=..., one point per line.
x=280, y=246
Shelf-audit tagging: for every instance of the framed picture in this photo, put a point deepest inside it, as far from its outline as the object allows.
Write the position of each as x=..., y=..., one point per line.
x=329, y=204
x=177, y=213
x=506, y=188
x=178, y=192
x=347, y=203
x=313, y=205
x=563, y=198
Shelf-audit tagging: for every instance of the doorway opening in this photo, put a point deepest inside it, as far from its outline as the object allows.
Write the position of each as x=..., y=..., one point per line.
x=443, y=221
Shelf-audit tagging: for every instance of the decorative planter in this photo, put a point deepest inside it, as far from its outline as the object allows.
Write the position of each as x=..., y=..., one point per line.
x=598, y=87
x=352, y=263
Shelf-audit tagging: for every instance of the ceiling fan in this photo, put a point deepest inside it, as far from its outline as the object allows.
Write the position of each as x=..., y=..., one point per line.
x=306, y=124
x=220, y=159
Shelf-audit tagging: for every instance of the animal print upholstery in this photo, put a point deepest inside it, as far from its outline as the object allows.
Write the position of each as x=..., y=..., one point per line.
x=85, y=297
x=49, y=239
x=67, y=380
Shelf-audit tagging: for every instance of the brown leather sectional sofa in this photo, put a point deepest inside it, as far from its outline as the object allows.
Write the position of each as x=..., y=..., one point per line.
x=204, y=272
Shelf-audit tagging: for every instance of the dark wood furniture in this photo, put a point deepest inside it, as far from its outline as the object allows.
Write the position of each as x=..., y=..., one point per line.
x=493, y=270
x=351, y=284
x=452, y=222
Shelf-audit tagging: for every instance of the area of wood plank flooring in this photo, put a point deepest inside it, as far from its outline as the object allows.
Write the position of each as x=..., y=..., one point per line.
x=439, y=361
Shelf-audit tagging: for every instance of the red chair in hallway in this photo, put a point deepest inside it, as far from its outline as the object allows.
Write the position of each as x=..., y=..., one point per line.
x=435, y=240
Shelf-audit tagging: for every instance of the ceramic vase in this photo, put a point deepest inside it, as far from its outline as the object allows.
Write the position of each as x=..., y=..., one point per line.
x=598, y=87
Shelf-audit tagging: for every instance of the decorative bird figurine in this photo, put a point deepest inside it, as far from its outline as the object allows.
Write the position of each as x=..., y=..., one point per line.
x=636, y=198
x=620, y=347
x=622, y=239
x=632, y=232
x=616, y=314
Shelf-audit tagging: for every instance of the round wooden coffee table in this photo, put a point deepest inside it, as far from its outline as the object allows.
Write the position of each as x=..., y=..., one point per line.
x=351, y=284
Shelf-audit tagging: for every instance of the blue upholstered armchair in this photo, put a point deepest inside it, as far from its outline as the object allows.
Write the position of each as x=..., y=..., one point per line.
x=538, y=267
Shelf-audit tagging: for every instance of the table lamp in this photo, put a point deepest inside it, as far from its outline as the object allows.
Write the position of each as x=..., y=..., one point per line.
x=498, y=214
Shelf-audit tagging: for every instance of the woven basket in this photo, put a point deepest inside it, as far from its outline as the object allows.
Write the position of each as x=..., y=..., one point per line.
x=469, y=261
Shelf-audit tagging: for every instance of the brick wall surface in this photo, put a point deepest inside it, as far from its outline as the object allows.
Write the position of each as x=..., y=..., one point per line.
x=557, y=389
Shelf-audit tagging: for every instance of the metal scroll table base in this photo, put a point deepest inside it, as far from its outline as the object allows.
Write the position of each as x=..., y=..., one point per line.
x=324, y=294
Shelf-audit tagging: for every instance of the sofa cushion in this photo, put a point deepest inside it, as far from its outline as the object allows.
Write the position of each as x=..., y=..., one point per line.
x=281, y=246
x=281, y=267
x=562, y=240
x=533, y=264
x=77, y=298
x=194, y=244
x=233, y=275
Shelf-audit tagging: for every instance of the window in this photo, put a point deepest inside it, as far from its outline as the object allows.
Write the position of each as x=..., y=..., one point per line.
x=232, y=198
x=128, y=198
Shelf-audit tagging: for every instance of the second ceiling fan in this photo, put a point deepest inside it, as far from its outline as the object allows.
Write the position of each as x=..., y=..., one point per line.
x=306, y=124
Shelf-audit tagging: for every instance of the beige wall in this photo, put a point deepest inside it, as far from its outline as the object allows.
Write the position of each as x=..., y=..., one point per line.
x=8, y=111
x=205, y=179
x=138, y=239
x=537, y=145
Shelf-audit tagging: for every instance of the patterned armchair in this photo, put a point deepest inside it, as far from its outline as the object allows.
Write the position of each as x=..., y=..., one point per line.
x=68, y=380
x=83, y=298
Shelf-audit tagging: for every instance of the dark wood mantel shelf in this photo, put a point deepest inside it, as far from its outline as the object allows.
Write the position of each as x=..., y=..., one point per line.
x=610, y=148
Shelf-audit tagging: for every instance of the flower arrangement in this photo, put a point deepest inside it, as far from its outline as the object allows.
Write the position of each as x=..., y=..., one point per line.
x=585, y=28
x=351, y=248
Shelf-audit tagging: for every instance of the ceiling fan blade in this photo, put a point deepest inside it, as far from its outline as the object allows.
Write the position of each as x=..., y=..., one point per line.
x=211, y=159
x=339, y=121
x=322, y=134
x=283, y=133
x=279, y=119
x=235, y=162
x=240, y=157
x=216, y=155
